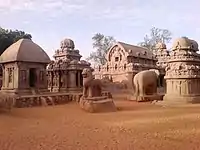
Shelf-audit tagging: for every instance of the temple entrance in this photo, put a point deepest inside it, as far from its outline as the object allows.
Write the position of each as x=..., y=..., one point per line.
x=32, y=77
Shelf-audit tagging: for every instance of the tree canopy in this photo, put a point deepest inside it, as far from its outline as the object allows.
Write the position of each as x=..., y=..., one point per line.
x=156, y=35
x=101, y=44
x=8, y=37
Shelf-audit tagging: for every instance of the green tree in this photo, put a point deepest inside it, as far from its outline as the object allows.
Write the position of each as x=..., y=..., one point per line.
x=8, y=37
x=101, y=44
x=156, y=35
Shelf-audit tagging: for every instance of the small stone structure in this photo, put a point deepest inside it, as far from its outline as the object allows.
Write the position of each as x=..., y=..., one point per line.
x=183, y=73
x=24, y=68
x=162, y=55
x=92, y=99
x=64, y=74
x=124, y=61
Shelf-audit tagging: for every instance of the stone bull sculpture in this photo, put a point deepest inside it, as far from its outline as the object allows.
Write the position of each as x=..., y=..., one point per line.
x=145, y=84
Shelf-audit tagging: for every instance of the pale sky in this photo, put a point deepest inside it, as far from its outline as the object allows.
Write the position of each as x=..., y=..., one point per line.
x=50, y=21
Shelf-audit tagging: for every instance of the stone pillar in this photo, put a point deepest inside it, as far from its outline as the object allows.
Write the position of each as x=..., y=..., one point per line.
x=183, y=73
x=72, y=79
x=3, y=79
x=79, y=78
x=64, y=81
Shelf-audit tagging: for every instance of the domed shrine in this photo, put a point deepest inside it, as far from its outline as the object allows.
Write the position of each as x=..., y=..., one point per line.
x=65, y=72
x=183, y=72
x=24, y=67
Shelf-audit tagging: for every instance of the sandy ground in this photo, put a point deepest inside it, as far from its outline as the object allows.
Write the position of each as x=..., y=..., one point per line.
x=134, y=127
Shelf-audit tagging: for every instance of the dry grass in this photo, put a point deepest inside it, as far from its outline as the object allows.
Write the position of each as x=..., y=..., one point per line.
x=135, y=126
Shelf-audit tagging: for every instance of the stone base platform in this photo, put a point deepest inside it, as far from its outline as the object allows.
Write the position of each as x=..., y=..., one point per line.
x=179, y=101
x=146, y=98
x=97, y=104
x=44, y=99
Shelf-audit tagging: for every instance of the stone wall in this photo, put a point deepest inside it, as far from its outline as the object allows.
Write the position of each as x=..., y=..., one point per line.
x=50, y=99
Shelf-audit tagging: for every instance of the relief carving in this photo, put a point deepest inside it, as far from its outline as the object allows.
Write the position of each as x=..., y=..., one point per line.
x=50, y=79
x=10, y=75
x=183, y=71
x=23, y=76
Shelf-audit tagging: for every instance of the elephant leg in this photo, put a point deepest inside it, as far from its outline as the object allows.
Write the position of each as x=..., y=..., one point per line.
x=141, y=96
x=136, y=89
x=141, y=90
x=154, y=88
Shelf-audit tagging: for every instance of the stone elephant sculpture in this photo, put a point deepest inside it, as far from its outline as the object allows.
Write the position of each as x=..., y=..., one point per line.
x=145, y=83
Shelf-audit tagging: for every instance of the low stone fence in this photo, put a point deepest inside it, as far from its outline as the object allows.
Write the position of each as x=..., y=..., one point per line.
x=50, y=99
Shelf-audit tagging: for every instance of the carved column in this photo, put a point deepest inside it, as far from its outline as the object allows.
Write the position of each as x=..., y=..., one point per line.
x=72, y=79
x=3, y=80
x=63, y=80
x=66, y=76
x=79, y=78
x=23, y=79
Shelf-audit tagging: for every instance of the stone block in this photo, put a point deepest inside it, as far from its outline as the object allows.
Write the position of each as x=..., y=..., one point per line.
x=97, y=104
x=146, y=98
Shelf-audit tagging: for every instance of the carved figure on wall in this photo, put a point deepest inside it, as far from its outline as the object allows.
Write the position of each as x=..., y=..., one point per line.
x=145, y=83
x=57, y=75
x=10, y=74
x=50, y=80
x=55, y=79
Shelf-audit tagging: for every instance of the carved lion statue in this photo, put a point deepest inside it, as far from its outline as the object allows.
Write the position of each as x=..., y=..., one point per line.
x=145, y=83
x=91, y=87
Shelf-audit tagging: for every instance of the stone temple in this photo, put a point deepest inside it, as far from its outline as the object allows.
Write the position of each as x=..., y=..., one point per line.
x=24, y=68
x=125, y=60
x=33, y=79
x=65, y=73
x=183, y=73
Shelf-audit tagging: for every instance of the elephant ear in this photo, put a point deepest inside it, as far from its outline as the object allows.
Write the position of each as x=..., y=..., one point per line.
x=156, y=71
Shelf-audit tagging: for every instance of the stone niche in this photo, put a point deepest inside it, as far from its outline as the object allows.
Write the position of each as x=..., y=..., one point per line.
x=183, y=73
x=24, y=68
